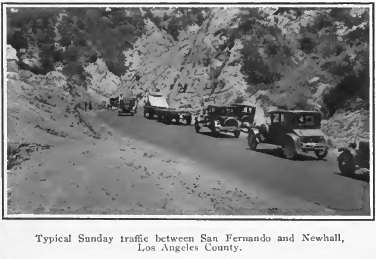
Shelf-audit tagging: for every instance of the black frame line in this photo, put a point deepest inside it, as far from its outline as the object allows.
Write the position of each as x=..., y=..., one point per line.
x=199, y=218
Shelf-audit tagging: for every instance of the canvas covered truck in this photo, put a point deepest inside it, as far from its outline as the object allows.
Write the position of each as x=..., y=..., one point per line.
x=156, y=106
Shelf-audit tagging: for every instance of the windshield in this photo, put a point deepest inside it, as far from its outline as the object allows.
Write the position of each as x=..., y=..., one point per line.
x=227, y=111
x=128, y=102
x=308, y=121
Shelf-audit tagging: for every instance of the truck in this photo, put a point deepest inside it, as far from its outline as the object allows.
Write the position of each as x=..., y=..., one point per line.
x=156, y=106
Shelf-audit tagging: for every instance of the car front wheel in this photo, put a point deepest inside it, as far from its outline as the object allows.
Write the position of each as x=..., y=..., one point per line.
x=321, y=154
x=252, y=141
x=197, y=128
x=289, y=149
x=346, y=163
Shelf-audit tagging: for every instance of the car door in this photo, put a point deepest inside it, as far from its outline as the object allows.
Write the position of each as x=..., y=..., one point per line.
x=276, y=132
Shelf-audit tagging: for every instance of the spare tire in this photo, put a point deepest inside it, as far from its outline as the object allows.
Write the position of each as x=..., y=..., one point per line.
x=231, y=123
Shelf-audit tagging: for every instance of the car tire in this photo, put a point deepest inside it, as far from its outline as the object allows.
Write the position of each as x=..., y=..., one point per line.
x=346, y=163
x=322, y=154
x=252, y=141
x=289, y=149
x=150, y=115
x=188, y=120
x=197, y=128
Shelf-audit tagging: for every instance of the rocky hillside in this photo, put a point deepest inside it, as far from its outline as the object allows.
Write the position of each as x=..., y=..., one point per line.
x=295, y=58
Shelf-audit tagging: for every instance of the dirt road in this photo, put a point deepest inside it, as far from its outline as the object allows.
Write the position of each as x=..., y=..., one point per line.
x=310, y=179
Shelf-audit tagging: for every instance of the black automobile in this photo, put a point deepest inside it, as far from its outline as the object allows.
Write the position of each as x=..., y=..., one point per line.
x=219, y=119
x=354, y=157
x=245, y=114
x=293, y=131
x=127, y=106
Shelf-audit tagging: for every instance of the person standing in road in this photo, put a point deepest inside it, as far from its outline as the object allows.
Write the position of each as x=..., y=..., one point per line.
x=90, y=106
x=85, y=106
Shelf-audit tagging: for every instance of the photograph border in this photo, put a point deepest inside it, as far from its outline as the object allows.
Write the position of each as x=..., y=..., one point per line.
x=370, y=217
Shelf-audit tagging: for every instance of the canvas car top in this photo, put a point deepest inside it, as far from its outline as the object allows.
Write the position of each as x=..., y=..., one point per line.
x=241, y=105
x=158, y=101
x=221, y=106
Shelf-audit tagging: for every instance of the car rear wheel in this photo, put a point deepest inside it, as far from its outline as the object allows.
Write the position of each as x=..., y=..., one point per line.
x=321, y=154
x=252, y=141
x=346, y=163
x=289, y=149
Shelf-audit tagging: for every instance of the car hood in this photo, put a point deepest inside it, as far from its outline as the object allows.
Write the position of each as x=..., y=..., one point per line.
x=308, y=132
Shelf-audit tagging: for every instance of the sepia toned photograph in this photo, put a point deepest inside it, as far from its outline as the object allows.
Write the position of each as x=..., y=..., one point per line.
x=193, y=111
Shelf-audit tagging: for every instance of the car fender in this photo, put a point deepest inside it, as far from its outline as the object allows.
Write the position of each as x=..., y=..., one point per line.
x=231, y=119
x=253, y=131
x=348, y=150
x=296, y=140
x=245, y=118
x=256, y=132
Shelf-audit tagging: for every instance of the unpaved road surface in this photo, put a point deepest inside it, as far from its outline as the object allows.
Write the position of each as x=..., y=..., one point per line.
x=316, y=181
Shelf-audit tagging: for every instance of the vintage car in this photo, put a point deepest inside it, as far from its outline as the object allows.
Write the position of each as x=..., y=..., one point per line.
x=294, y=131
x=352, y=159
x=114, y=103
x=246, y=115
x=219, y=119
x=127, y=106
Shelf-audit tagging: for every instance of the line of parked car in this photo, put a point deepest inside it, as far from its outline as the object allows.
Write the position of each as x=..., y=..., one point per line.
x=292, y=130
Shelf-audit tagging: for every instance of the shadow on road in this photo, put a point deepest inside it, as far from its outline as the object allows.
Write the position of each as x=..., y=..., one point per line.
x=360, y=177
x=278, y=152
x=216, y=135
x=174, y=123
x=125, y=115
